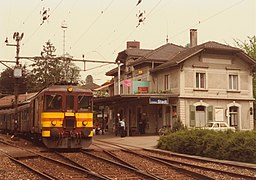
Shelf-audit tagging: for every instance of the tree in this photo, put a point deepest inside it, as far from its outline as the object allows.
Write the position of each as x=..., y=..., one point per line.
x=7, y=82
x=49, y=69
x=250, y=48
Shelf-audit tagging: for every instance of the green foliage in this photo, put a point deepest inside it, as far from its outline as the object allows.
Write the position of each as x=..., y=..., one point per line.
x=48, y=69
x=237, y=146
x=177, y=126
x=249, y=48
x=7, y=82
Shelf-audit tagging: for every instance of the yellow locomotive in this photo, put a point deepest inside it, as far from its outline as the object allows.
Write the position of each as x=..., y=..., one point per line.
x=61, y=115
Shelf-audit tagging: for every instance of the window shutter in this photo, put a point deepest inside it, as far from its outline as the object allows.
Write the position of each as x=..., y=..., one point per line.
x=192, y=116
x=210, y=113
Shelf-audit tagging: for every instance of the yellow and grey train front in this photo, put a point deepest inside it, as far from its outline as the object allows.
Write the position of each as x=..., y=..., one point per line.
x=67, y=117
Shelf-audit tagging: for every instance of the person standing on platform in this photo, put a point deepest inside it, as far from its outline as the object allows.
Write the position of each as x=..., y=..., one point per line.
x=117, y=124
x=122, y=128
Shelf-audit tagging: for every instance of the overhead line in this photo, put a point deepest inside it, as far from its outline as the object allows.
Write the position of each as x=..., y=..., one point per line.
x=206, y=19
x=96, y=19
x=114, y=31
x=135, y=27
x=41, y=25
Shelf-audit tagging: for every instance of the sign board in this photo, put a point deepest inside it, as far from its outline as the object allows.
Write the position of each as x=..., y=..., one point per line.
x=219, y=114
x=143, y=89
x=158, y=101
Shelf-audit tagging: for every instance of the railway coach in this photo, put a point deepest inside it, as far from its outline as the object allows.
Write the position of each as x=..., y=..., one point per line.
x=60, y=115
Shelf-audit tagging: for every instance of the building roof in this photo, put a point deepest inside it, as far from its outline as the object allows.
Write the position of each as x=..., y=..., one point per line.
x=128, y=97
x=90, y=86
x=104, y=86
x=186, y=54
x=132, y=53
x=112, y=72
x=161, y=54
x=22, y=98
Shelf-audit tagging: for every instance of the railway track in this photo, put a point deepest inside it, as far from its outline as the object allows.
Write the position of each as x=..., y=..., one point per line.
x=46, y=167
x=213, y=170
x=107, y=160
x=152, y=167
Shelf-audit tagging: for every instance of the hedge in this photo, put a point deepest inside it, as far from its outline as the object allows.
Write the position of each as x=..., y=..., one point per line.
x=228, y=145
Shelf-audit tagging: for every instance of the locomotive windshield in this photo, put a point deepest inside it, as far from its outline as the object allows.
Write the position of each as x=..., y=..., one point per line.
x=53, y=102
x=84, y=103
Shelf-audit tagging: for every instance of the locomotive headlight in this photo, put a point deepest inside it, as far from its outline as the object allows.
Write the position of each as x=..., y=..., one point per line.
x=84, y=123
x=54, y=123
x=70, y=89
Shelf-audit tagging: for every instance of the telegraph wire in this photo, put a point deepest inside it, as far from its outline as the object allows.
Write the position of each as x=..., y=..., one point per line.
x=206, y=19
x=36, y=30
x=137, y=27
x=115, y=29
x=96, y=19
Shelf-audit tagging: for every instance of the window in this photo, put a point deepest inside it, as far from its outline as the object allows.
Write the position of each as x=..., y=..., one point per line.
x=200, y=80
x=70, y=102
x=166, y=82
x=233, y=82
x=84, y=103
x=53, y=102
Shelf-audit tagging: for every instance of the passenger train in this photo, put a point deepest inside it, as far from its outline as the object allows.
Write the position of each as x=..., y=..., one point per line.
x=60, y=115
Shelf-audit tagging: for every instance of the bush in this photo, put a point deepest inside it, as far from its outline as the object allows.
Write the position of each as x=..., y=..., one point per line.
x=237, y=146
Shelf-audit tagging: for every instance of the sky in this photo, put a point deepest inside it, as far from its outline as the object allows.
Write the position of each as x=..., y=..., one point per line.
x=99, y=29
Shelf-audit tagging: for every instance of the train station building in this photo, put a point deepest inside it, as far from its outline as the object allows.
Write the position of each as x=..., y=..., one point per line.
x=195, y=85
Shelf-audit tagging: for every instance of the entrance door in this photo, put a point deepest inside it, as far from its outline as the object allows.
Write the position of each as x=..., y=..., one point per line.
x=200, y=116
x=233, y=116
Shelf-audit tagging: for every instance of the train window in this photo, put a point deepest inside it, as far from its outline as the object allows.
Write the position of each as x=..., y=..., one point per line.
x=69, y=102
x=84, y=103
x=53, y=102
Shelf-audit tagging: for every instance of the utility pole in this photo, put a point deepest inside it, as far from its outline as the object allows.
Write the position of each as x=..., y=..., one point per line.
x=118, y=77
x=17, y=73
x=64, y=27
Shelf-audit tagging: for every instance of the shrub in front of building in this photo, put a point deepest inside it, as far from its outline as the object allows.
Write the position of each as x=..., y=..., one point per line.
x=228, y=145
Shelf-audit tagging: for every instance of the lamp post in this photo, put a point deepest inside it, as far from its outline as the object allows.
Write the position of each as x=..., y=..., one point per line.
x=17, y=73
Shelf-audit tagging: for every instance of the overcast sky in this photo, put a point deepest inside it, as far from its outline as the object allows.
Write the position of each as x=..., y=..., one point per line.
x=99, y=29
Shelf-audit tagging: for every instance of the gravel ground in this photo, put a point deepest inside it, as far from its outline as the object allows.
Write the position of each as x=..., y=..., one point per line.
x=10, y=170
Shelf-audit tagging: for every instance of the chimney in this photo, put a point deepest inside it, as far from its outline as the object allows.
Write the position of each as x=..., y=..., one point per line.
x=193, y=37
x=133, y=44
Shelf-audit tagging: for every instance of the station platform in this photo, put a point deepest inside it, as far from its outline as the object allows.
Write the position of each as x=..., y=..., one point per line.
x=145, y=141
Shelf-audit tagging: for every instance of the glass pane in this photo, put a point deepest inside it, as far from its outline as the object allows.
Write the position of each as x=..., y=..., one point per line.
x=235, y=82
x=230, y=81
x=197, y=80
x=202, y=80
x=53, y=102
x=70, y=102
x=84, y=102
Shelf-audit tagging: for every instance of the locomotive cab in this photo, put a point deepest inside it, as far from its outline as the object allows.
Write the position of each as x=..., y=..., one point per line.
x=67, y=117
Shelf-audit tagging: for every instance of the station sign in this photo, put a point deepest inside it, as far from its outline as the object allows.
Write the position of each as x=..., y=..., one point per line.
x=158, y=101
